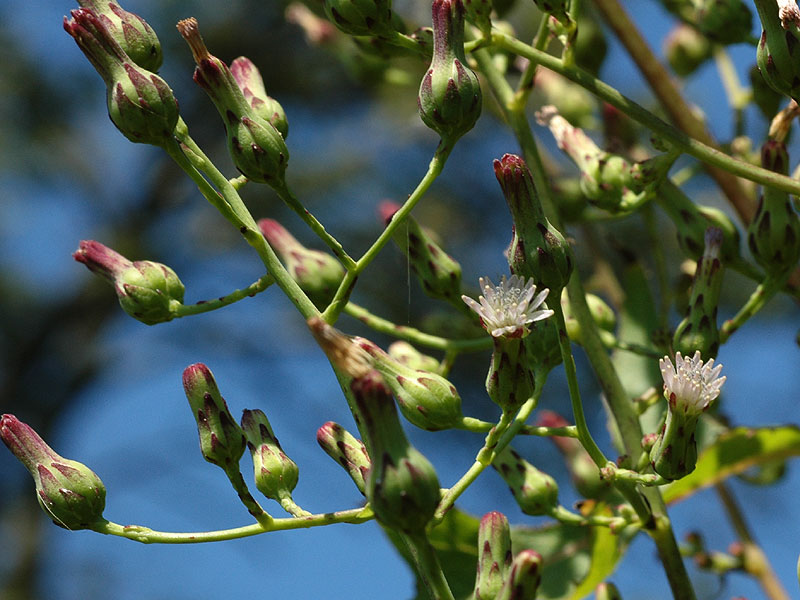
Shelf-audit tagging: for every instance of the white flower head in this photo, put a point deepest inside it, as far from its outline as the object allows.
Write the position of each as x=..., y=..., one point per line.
x=690, y=384
x=507, y=309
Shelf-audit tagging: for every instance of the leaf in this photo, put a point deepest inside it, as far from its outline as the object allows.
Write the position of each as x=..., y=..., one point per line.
x=455, y=540
x=607, y=549
x=734, y=452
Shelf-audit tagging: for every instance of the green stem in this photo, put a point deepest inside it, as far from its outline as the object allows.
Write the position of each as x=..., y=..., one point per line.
x=648, y=479
x=146, y=535
x=478, y=426
x=185, y=310
x=251, y=504
x=428, y=566
x=568, y=517
x=526, y=81
x=762, y=294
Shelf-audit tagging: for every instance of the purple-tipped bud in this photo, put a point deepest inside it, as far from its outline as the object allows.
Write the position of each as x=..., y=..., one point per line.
x=275, y=473
x=401, y=485
x=607, y=591
x=148, y=291
x=524, y=577
x=131, y=32
x=69, y=492
x=408, y=356
x=450, y=95
x=534, y=490
x=347, y=450
x=251, y=83
x=222, y=441
x=361, y=17
x=494, y=555
x=317, y=273
x=140, y=103
x=256, y=146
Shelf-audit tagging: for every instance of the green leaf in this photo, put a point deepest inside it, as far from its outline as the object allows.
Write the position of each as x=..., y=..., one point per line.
x=455, y=540
x=607, y=549
x=733, y=453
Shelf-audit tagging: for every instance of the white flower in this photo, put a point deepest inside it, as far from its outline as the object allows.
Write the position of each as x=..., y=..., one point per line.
x=691, y=385
x=508, y=308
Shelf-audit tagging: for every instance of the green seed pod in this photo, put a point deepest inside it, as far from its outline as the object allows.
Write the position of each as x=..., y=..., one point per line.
x=723, y=21
x=494, y=555
x=407, y=355
x=251, y=83
x=256, y=146
x=69, y=492
x=222, y=441
x=401, y=486
x=686, y=49
x=140, y=103
x=478, y=12
x=774, y=234
x=426, y=399
x=535, y=491
x=317, y=273
x=146, y=290
x=438, y=273
x=275, y=473
x=537, y=248
x=449, y=98
x=347, y=450
x=510, y=381
x=361, y=17
x=778, y=54
x=607, y=591
x=698, y=331
x=524, y=577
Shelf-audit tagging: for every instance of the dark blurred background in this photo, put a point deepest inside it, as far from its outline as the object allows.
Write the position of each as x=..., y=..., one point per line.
x=105, y=389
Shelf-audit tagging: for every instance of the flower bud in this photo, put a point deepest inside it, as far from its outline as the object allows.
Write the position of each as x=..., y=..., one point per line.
x=602, y=314
x=494, y=555
x=222, y=441
x=509, y=382
x=69, y=492
x=347, y=450
x=778, y=54
x=317, y=273
x=698, y=331
x=774, y=234
x=723, y=21
x=401, y=486
x=361, y=17
x=437, y=271
x=256, y=146
x=557, y=8
x=408, y=356
x=450, y=95
x=686, y=49
x=249, y=80
x=607, y=591
x=478, y=13
x=537, y=248
x=136, y=38
x=535, y=491
x=275, y=473
x=524, y=577
x=146, y=290
x=140, y=103
x=426, y=399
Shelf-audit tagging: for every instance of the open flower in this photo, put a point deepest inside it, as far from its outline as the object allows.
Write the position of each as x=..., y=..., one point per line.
x=691, y=385
x=507, y=309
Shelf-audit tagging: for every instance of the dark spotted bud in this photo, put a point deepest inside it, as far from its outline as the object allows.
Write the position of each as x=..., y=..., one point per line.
x=478, y=12
x=70, y=493
x=256, y=146
x=347, y=450
x=535, y=491
x=494, y=555
x=407, y=355
x=401, y=486
x=686, y=49
x=222, y=441
x=778, y=54
x=510, y=381
x=723, y=21
x=450, y=95
x=251, y=83
x=557, y=8
x=140, y=103
x=361, y=17
x=524, y=577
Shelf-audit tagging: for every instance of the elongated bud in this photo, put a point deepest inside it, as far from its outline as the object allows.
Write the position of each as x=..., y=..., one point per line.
x=778, y=54
x=317, y=273
x=347, y=450
x=698, y=331
x=275, y=473
x=607, y=591
x=510, y=381
x=256, y=146
x=401, y=486
x=537, y=248
x=774, y=234
x=69, y=492
x=361, y=17
x=407, y=355
x=136, y=38
x=146, y=290
x=602, y=314
x=426, y=399
x=251, y=83
x=222, y=441
x=524, y=577
x=438, y=273
x=140, y=103
x=686, y=49
x=450, y=95
x=494, y=555
x=535, y=491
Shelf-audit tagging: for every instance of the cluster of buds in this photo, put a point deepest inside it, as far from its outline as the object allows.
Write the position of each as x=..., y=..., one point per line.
x=317, y=273
x=778, y=54
x=438, y=272
x=256, y=145
x=722, y=21
x=535, y=491
x=140, y=103
x=347, y=450
x=69, y=492
x=148, y=291
x=450, y=95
